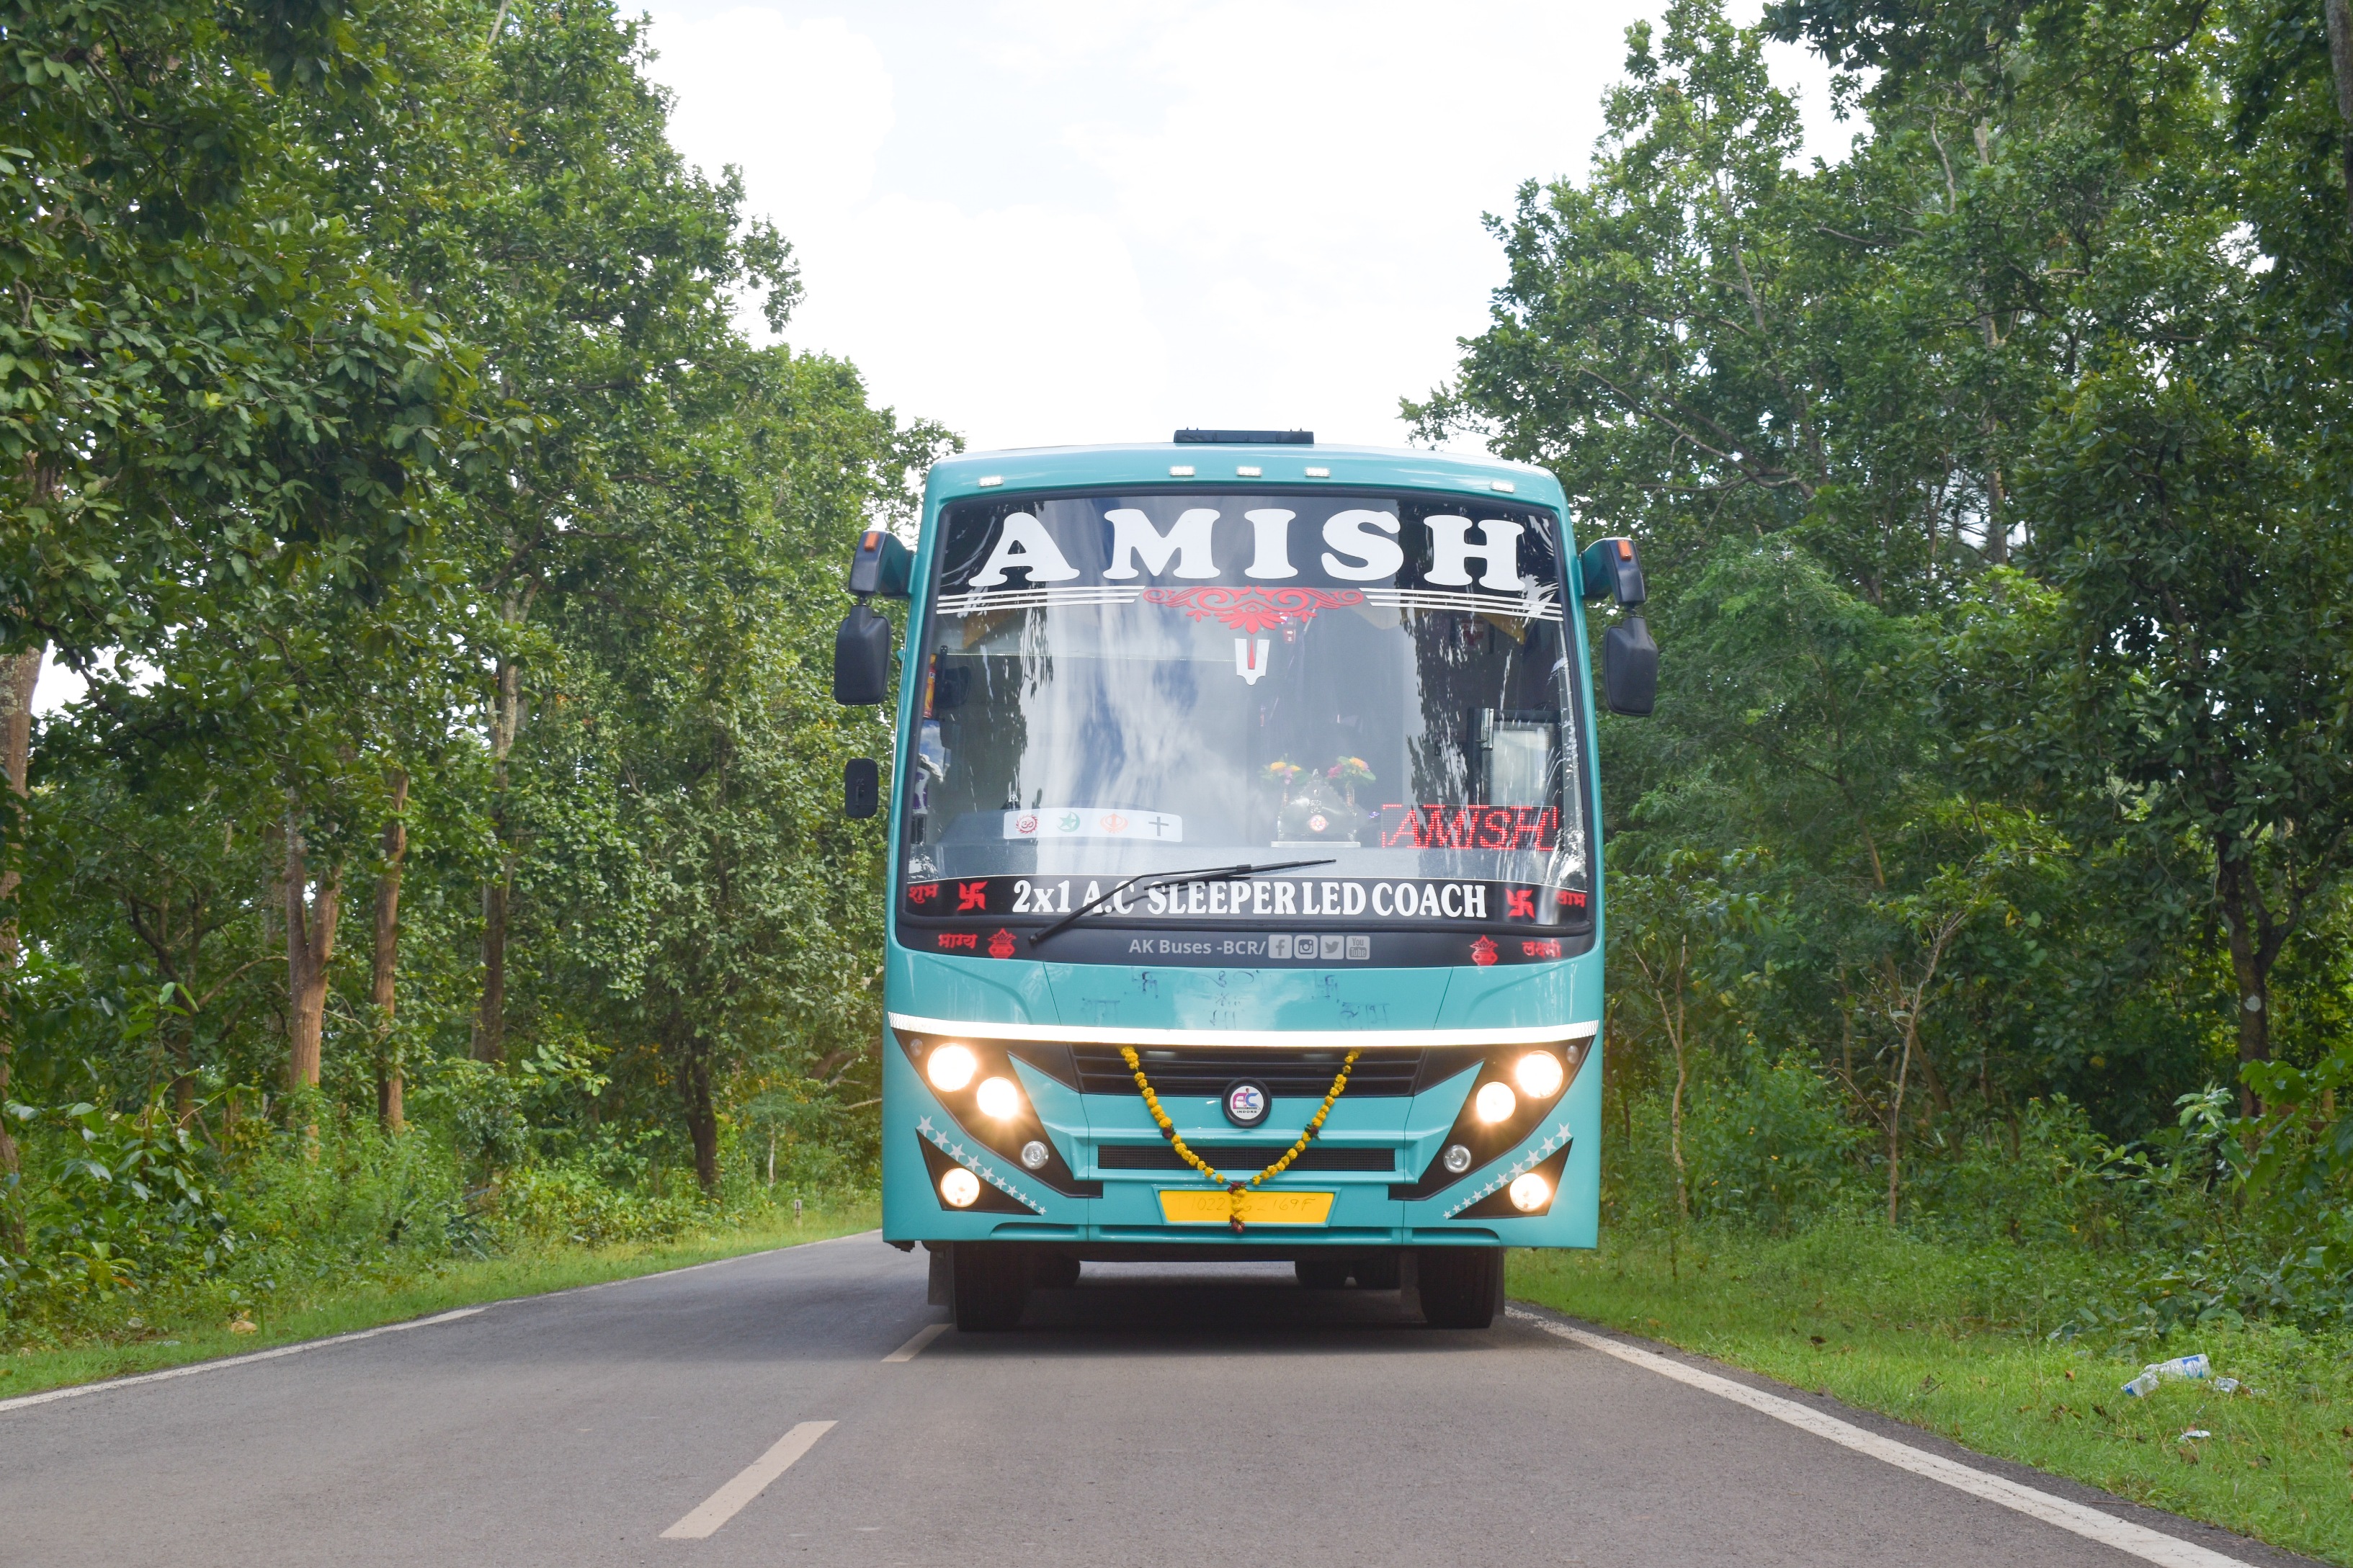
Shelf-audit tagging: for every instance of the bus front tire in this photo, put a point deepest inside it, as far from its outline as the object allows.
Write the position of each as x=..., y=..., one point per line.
x=992, y=1286
x=1461, y=1286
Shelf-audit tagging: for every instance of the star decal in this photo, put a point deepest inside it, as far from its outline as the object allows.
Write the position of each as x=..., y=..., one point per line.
x=939, y=1139
x=1529, y=1159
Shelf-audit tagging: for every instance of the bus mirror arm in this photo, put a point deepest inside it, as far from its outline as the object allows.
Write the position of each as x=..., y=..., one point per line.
x=882, y=565
x=1611, y=568
x=1630, y=668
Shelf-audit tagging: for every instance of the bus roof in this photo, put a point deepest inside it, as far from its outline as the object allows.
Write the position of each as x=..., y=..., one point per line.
x=1168, y=465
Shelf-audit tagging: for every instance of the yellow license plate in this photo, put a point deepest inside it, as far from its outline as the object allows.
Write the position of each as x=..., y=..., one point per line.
x=1195, y=1207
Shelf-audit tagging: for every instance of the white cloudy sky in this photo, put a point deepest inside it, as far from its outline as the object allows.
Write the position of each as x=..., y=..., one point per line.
x=1049, y=221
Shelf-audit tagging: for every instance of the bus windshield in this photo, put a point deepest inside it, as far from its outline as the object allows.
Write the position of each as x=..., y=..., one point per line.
x=1116, y=685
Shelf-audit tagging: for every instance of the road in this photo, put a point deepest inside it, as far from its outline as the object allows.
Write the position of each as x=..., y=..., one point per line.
x=1151, y=1415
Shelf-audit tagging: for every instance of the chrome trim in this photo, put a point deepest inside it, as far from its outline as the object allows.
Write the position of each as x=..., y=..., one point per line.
x=1292, y=1039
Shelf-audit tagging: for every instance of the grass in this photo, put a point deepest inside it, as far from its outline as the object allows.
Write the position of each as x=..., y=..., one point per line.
x=1947, y=1338
x=445, y=1286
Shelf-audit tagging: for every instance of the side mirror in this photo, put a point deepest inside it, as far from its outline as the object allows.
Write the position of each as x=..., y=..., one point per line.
x=1609, y=568
x=1630, y=669
x=861, y=659
x=861, y=788
x=882, y=565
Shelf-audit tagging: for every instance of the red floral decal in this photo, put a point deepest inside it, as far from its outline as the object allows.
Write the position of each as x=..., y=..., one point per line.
x=1254, y=609
x=1482, y=952
x=1001, y=944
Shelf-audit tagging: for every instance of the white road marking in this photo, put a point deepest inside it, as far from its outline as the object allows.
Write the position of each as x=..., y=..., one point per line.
x=2138, y=1540
x=191, y=1370
x=914, y=1347
x=728, y=1500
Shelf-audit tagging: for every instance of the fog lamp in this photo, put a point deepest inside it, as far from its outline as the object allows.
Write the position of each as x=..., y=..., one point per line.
x=1539, y=1074
x=998, y=1097
x=960, y=1187
x=1033, y=1155
x=1495, y=1102
x=1457, y=1159
x=951, y=1067
x=1531, y=1192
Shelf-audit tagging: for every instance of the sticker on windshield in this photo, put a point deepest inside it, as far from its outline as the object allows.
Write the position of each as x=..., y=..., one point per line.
x=1094, y=822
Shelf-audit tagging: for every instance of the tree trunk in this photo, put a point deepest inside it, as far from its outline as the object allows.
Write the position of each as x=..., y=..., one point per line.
x=491, y=1022
x=2341, y=58
x=20, y=673
x=386, y=954
x=2252, y=952
x=1672, y=1017
x=309, y=945
x=1896, y=1130
x=691, y=1065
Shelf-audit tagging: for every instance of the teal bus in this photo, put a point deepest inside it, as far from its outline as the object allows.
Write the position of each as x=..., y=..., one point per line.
x=1245, y=866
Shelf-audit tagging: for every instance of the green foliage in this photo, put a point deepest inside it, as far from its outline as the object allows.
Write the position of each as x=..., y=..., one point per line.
x=384, y=449
x=1769, y=1148
x=1992, y=483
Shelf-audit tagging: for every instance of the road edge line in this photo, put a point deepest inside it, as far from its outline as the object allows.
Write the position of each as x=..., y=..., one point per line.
x=2079, y=1519
x=221, y=1363
x=703, y=1520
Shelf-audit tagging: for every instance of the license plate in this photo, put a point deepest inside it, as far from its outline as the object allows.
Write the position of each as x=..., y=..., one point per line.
x=1194, y=1206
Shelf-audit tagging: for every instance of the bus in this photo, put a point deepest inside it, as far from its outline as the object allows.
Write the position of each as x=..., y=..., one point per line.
x=1245, y=864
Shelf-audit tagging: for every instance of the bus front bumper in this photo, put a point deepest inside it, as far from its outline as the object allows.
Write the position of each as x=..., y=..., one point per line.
x=1062, y=1148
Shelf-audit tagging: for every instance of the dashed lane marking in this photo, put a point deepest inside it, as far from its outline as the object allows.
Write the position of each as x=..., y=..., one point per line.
x=2137, y=1539
x=22, y=1400
x=749, y=1482
x=914, y=1347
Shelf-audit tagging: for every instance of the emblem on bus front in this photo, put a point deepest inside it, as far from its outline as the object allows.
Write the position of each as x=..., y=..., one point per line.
x=1246, y=1103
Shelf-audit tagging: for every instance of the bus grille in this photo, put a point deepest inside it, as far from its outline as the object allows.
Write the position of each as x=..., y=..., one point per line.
x=1288, y=1075
x=1245, y=1159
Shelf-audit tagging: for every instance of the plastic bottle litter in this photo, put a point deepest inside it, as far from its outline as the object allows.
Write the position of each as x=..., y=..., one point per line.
x=2193, y=1434
x=2226, y=1385
x=2157, y=1372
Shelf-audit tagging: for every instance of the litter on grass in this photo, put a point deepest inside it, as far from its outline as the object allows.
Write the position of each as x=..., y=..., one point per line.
x=2157, y=1372
x=2194, y=1432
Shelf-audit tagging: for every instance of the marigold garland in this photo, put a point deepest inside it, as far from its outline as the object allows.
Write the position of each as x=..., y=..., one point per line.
x=1234, y=1190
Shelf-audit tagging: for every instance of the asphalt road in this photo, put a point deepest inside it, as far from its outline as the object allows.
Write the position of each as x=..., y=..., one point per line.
x=1153, y=1416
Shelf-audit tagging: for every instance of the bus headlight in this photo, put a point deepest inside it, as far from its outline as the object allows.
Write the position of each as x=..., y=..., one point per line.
x=1539, y=1074
x=1531, y=1192
x=998, y=1097
x=960, y=1188
x=950, y=1067
x=1495, y=1102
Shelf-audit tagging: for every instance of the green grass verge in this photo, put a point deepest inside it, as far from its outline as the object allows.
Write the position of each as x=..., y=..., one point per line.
x=445, y=1286
x=1925, y=1333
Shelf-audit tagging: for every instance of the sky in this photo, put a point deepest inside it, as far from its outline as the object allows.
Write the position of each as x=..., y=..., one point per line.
x=1047, y=222
x=1042, y=222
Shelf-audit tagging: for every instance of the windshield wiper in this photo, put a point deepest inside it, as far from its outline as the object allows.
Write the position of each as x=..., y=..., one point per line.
x=1163, y=878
